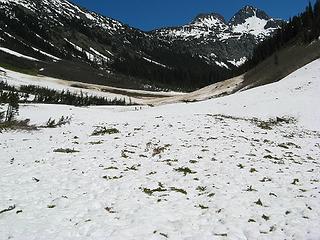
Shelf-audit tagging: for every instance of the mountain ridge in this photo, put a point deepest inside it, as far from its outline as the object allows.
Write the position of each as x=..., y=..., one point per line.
x=117, y=53
x=250, y=25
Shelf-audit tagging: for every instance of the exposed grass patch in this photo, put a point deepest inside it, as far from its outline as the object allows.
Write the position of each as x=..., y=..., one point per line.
x=65, y=150
x=133, y=168
x=112, y=178
x=272, y=122
x=221, y=234
x=265, y=179
x=271, y=157
x=96, y=143
x=179, y=190
x=164, y=235
x=253, y=170
x=251, y=189
x=10, y=208
x=170, y=161
x=266, y=125
x=202, y=206
x=124, y=153
x=100, y=131
x=240, y=166
x=295, y=181
x=282, y=145
x=151, y=191
x=109, y=210
x=201, y=189
x=259, y=202
x=159, y=150
x=185, y=170
x=110, y=168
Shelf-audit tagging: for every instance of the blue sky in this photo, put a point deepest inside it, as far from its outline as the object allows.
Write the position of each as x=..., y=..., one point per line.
x=151, y=14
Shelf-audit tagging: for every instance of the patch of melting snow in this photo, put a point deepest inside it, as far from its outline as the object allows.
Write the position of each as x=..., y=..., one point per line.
x=238, y=63
x=222, y=64
x=100, y=54
x=9, y=51
x=74, y=45
x=47, y=54
x=154, y=62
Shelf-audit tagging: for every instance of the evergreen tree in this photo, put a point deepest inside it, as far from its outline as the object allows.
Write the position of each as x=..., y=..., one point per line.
x=13, y=107
x=2, y=116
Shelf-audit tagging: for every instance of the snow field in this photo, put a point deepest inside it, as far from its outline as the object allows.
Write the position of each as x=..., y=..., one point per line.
x=217, y=169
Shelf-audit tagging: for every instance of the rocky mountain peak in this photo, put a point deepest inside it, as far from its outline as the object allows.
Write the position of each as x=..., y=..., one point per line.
x=248, y=12
x=209, y=16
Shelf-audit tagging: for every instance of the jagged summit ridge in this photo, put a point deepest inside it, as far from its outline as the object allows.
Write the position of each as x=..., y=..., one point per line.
x=205, y=16
x=222, y=42
x=247, y=12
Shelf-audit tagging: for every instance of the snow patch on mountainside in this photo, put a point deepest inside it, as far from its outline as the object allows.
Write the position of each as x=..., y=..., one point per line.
x=74, y=45
x=155, y=62
x=238, y=63
x=47, y=54
x=254, y=26
x=100, y=54
x=201, y=27
x=14, y=53
x=222, y=64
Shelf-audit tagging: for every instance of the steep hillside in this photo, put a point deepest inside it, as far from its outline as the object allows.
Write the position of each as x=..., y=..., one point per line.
x=281, y=64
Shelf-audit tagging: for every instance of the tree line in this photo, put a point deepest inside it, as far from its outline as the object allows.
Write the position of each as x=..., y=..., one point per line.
x=35, y=94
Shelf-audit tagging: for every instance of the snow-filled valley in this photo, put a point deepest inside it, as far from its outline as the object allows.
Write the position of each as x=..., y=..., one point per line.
x=243, y=166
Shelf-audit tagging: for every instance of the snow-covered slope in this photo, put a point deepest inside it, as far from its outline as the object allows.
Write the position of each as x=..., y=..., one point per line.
x=250, y=20
x=218, y=169
x=202, y=26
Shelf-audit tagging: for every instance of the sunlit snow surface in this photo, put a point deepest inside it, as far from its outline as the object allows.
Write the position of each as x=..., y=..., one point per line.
x=181, y=171
x=254, y=26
